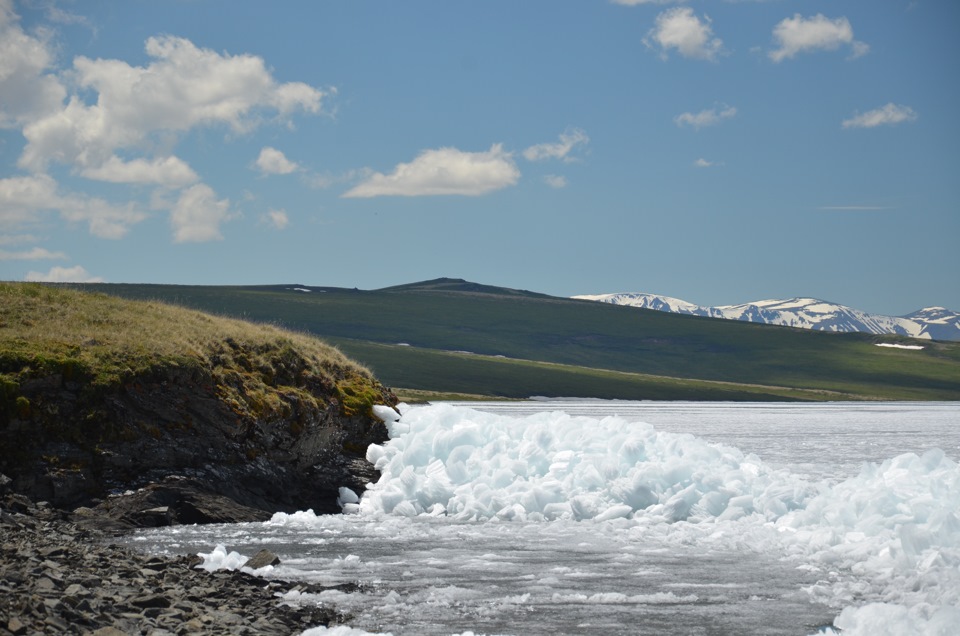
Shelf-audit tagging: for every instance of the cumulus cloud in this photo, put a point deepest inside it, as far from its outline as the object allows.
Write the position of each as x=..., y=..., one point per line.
x=443, y=171
x=799, y=35
x=197, y=215
x=23, y=199
x=680, y=29
x=27, y=88
x=35, y=254
x=170, y=172
x=569, y=139
x=276, y=218
x=703, y=163
x=75, y=274
x=705, y=118
x=884, y=116
x=272, y=161
x=183, y=87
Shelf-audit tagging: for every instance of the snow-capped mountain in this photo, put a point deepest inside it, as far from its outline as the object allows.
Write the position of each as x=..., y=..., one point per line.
x=809, y=313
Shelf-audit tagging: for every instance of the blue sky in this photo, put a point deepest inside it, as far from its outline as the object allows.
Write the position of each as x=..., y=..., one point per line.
x=719, y=152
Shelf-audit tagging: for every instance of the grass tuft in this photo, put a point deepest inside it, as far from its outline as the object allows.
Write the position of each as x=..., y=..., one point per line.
x=97, y=342
x=105, y=338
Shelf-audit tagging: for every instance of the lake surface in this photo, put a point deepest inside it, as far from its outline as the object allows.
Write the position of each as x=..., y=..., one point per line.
x=578, y=517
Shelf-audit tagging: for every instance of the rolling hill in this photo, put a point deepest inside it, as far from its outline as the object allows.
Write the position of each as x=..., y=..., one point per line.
x=451, y=335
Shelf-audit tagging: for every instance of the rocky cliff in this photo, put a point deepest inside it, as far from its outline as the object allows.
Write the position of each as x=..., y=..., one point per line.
x=148, y=414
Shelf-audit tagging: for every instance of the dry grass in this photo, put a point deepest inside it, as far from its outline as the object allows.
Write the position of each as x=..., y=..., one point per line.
x=111, y=338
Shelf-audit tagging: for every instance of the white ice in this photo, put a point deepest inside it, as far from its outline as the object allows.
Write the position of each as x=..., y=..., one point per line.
x=883, y=546
x=896, y=526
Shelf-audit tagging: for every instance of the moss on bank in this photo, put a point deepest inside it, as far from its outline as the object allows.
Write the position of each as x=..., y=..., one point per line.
x=97, y=343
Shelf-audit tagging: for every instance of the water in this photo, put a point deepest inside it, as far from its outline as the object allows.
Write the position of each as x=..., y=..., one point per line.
x=574, y=517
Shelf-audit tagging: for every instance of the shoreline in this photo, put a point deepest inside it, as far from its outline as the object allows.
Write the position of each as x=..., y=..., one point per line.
x=60, y=577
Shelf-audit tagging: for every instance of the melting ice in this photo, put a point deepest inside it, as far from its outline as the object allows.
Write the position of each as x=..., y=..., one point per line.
x=555, y=523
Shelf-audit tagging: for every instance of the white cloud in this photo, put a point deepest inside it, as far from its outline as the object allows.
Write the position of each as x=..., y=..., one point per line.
x=17, y=239
x=884, y=116
x=197, y=215
x=28, y=90
x=555, y=181
x=272, y=161
x=75, y=274
x=22, y=199
x=569, y=139
x=277, y=218
x=171, y=172
x=321, y=181
x=443, y=171
x=35, y=254
x=703, y=163
x=680, y=29
x=798, y=34
x=183, y=87
x=705, y=118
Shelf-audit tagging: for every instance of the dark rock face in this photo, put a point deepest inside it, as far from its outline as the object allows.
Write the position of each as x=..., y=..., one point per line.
x=187, y=448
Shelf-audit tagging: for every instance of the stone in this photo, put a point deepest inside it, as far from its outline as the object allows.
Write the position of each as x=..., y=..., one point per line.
x=75, y=589
x=151, y=600
x=15, y=627
x=262, y=559
x=107, y=589
x=45, y=584
x=107, y=631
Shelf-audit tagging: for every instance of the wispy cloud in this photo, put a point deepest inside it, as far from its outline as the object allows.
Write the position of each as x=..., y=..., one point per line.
x=321, y=181
x=24, y=200
x=277, y=219
x=35, y=254
x=443, y=171
x=800, y=35
x=555, y=181
x=704, y=118
x=884, y=116
x=681, y=30
x=17, y=239
x=76, y=274
x=569, y=139
x=703, y=163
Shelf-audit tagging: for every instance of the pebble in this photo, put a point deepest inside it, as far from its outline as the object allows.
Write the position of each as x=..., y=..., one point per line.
x=60, y=578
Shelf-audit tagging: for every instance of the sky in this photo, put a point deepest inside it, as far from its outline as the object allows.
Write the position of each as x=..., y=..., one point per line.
x=715, y=151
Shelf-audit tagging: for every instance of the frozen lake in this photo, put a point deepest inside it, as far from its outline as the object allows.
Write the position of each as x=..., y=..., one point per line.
x=579, y=517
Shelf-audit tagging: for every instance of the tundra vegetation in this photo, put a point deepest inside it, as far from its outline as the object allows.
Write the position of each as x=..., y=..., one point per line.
x=453, y=337
x=100, y=394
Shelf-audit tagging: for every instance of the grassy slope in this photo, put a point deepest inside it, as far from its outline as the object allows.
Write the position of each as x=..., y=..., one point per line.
x=104, y=341
x=592, y=340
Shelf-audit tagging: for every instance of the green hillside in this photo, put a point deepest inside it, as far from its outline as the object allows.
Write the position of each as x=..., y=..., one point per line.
x=453, y=335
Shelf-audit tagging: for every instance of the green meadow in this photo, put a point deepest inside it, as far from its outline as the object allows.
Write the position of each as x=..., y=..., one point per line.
x=453, y=337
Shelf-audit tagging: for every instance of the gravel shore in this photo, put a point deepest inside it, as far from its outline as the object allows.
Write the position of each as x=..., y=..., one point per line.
x=57, y=577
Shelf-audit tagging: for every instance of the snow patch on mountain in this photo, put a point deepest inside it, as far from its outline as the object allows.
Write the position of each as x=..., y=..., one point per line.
x=936, y=323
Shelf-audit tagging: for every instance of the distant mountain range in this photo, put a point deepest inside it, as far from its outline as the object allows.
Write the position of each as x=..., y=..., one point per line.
x=935, y=323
